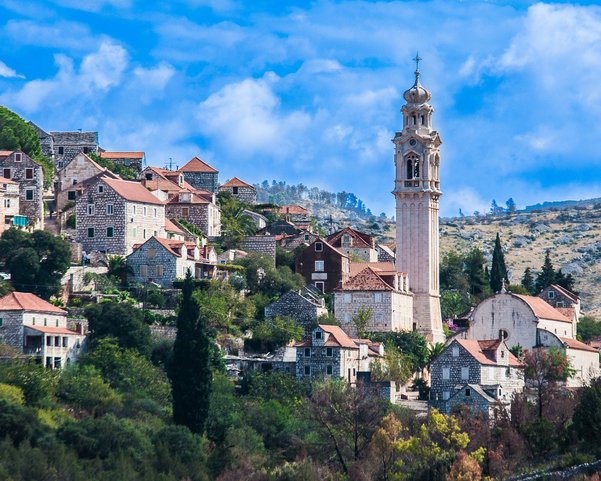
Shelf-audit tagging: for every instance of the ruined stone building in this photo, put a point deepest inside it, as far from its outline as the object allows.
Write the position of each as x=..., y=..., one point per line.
x=131, y=160
x=61, y=147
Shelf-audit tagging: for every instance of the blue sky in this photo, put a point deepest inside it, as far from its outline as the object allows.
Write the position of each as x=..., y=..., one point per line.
x=310, y=91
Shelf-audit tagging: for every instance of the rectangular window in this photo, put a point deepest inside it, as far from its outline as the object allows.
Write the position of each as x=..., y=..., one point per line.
x=65, y=341
x=446, y=373
x=551, y=294
x=71, y=195
x=455, y=351
x=329, y=352
x=6, y=173
x=18, y=157
x=61, y=150
x=148, y=175
x=348, y=298
x=307, y=352
x=74, y=181
x=446, y=395
x=307, y=370
x=144, y=211
x=378, y=297
x=91, y=209
x=306, y=237
x=468, y=392
x=49, y=340
x=86, y=150
x=465, y=373
x=155, y=213
x=329, y=370
x=90, y=232
x=144, y=270
x=57, y=341
x=159, y=271
x=319, y=247
x=1, y=321
x=109, y=209
x=319, y=266
x=319, y=285
x=29, y=194
x=29, y=173
x=133, y=209
x=317, y=334
x=110, y=231
x=144, y=234
x=185, y=212
x=235, y=190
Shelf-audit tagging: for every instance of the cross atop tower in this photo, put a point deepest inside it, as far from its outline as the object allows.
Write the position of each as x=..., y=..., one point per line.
x=417, y=59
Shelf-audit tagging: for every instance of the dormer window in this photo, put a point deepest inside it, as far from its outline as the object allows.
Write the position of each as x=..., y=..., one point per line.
x=551, y=294
x=100, y=189
x=317, y=334
x=319, y=247
x=18, y=157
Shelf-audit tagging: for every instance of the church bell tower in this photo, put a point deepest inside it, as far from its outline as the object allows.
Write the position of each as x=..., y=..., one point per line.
x=417, y=192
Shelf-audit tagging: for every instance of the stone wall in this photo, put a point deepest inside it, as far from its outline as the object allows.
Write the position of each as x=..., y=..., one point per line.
x=9, y=205
x=75, y=172
x=66, y=145
x=163, y=332
x=261, y=244
x=207, y=217
x=203, y=180
x=33, y=188
x=131, y=163
x=292, y=304
x=11, y=330
x=247, y=195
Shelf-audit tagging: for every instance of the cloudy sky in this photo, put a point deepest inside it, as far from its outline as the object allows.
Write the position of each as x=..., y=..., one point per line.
x=310, y=91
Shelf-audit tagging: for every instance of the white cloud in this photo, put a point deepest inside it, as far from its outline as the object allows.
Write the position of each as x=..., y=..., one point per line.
x=465, y=198
x=59, y=34
x=321, y=65
x=7, y=72
x=99, y=71
x=245, y=117
x=155, y=78
x=94, y=5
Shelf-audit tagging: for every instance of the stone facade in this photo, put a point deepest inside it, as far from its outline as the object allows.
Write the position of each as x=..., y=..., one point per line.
x=486, y=364
x=417, y=192
x=109, y=222
x=240, y=190
x=131, y=160
x=72, y=176
x=9, y=203
x=304, y=308
x=201, y=175
x=46, y=141
x=66, y=145
x=293, y=242
x=19, y=167
x=563, y=300
x=323, y=266
x=197, y=210
x=260, y=244
x=357, y=245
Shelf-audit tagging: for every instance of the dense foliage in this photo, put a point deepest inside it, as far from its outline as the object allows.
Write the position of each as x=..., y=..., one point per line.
x=124, y=172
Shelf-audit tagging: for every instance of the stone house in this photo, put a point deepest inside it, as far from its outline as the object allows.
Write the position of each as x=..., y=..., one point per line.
x=563, y=300
x=357, y=245
x=131, y=160
x=305, y=308
x=161, y=261
x=385, y=293
x=323, y=266
x=19, y=167
x=296, y=214
x=584, y=359
x=240, y=190
x=515, y=318
x=329, y=352
x=293, y=242
x=66, y=145
x=71, y=179
x=230, y=255
x=385, y=253
x=39, y=329
x=197, y=210
x=260, y=244
x=280, y=227
x=9, y=203
x=113, y=215
x=259, y=220
x=201, y=175
x=476, y=373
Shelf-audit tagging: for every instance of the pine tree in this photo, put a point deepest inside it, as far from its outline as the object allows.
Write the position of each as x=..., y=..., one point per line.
x=475, y=273
x=190, y=372
x=547, y=275
x=498, y=271
x=528, y=281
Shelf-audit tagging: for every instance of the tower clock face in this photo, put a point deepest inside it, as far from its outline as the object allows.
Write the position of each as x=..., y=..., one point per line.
x=412, y=142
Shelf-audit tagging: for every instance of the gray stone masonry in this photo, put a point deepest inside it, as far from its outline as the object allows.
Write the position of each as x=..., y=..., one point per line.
x=67, y=145
x=202, y=180
x=303, y=310
x=247, y=195
x=262, y=244
x=22, y=169
x=207, y=217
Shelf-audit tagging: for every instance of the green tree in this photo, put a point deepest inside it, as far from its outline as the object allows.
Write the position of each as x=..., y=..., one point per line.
x=411, y=343
x=190, y=372
x=361, y=320
x=235, y=224
x=117, y=268
x=498, y=271
x=588, y=328
x=510, y=205
x=454, y=303
x=452, y=273
x=587, y=415
x=528, y=281
x=546, y=276
x=37, y=383
x=16, y=134
x=36, y=261
x=474, y=270
x=270, y=334
x=395, y=366
x=122, y=321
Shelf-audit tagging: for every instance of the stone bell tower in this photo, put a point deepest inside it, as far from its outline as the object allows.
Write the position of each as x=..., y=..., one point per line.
x=417, y=191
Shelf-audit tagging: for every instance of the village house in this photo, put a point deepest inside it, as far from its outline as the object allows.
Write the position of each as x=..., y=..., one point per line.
x=113, y=215
x=259, y=220
x=323, y=266
x=230, y=255
x=9, y=204
x=329, y=352
x=201, y=175
x=305, y=308
x=260, y=244
x=357, y=245
x=384, y=294
x=61, y=147
x=38, y=329
x=131, y=160
x=296, y=214
x=22, y=169
x=563, y=300
x=280, y=227
x=480, y=374
x=385, y=253
x=240, y=190
x=197, y=210
x=72, y=179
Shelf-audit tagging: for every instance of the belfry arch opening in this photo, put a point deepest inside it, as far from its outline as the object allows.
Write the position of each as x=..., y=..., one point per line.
x=412, y=162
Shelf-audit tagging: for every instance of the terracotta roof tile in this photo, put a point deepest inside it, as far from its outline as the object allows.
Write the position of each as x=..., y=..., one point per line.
x=366, y=280
x=293, y=209
x=132, y=191
x=25, y=301
x=341, y=337
x=54, y=330
x=4, y=180
x=542, y=310
x=122, y=155
x=5, y=153
x=568, y=312
x=574, y=344
x=357, y=267
x=236, y=182
x=569, y=294
x=171, y=227
x=484, y=350
x=364, y=240
x=197, y=165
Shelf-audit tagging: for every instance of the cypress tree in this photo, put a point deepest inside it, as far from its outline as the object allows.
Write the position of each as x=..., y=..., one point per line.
x=498, y=271
x=190, y=372
x=547, y=275
x=528, y=281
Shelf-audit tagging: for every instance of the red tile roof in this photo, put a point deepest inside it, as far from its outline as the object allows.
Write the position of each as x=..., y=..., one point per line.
x=338, y=336
x=357, y=267
x=54, y=330
x=132, y=191
x=293, y=209
x=569, y=312
x=484, y=351
x=197, y=165
x=569, y=294
x=5, y=153
x=359, y=238
x=574, y=344
x=366, y=280
x=542, y=310
x=236, y=182
x=122, y=155
x=171, y=227
x=25, y=301
x=4, y=180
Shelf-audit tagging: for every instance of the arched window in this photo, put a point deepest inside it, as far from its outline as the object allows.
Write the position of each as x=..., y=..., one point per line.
x=412, y=166
x=413, y=119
